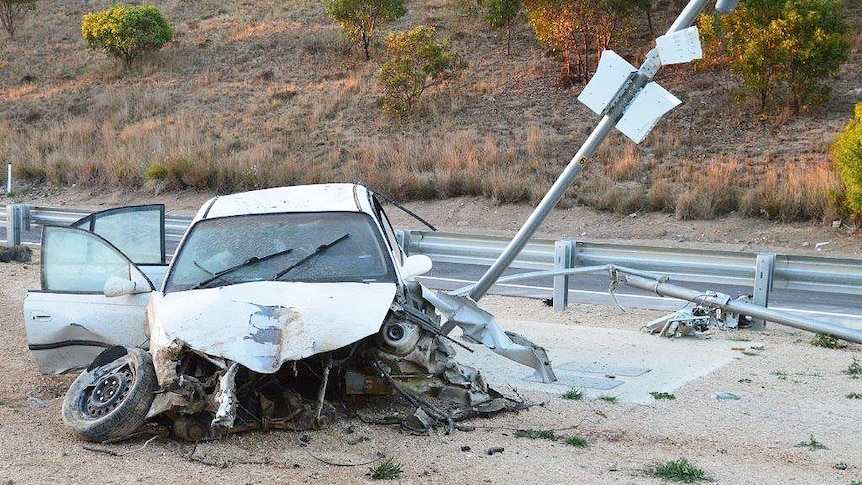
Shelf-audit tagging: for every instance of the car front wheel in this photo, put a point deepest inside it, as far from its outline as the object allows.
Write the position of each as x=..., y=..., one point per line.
x=111, y=398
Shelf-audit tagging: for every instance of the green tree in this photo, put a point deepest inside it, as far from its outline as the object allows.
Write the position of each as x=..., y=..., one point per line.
x=847, y=153
x=359, y=18
x=414, y=62
x=126, y=32
x=13, y=12
x=500, y=15
x=577, y=30
x=783, y=44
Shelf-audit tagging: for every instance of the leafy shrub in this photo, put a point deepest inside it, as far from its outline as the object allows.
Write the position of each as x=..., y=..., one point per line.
x=500, y=15
x=13, y=12
x=414, y=62
x=847, y=152
x=783, y=43
x=680, y=470
x=359, y=18
x=126, y=32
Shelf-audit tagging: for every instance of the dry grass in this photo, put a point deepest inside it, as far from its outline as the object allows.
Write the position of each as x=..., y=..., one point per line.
x=266, y=93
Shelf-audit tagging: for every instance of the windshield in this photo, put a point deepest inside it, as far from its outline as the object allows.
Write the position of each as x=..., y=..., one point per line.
x=308, y=247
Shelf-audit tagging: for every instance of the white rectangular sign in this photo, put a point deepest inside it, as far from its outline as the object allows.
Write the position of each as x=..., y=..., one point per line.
x=651, y=103
x=612, y=73
x=678, y=47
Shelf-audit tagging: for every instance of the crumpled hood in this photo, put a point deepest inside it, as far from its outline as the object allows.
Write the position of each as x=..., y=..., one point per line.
x=262, y=325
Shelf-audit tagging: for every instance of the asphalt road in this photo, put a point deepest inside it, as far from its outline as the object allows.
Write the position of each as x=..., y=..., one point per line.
x=844, y=309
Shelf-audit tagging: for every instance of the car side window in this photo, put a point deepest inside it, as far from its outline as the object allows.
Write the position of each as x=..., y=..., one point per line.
x=137, y=231
x=76, y=261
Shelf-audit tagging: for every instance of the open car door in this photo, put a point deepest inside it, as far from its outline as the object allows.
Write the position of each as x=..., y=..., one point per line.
x=71, y=320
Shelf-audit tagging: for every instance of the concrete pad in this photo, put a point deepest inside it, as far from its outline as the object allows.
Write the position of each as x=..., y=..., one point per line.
x=603, y=361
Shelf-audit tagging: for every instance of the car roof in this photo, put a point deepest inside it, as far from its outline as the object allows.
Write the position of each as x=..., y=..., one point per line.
x=297, y=198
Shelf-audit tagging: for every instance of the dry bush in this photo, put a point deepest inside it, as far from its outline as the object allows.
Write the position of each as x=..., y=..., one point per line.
x=709, y=193
x=627, y=167
x=662, y=196
x=798, y=192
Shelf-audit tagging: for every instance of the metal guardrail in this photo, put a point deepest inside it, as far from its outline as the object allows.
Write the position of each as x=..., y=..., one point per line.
x=763, y=271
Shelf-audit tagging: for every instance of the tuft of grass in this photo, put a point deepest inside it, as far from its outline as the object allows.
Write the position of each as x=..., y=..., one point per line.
x=782, y=375
x=537, y=434
x=812, y=444
x=385, y=470
x=577, y=442
x=680, y=471
x=661, y=395
x=827, y=341
x=608, y=398
x=854, y=370
x=854, y=395
x=573, y=394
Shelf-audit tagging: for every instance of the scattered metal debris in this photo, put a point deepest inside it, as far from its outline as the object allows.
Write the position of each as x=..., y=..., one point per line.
x=697, y=321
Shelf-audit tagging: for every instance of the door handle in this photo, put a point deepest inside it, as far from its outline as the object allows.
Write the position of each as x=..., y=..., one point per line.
x=40, y=317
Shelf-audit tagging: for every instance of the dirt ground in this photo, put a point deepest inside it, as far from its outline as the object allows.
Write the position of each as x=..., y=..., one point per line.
x=790, y=393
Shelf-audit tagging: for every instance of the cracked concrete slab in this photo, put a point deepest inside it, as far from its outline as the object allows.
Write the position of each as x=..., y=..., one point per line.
x=603, y=361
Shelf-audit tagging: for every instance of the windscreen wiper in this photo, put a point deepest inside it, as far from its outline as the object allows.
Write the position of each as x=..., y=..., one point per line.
x=320, y=249
x=249, y=262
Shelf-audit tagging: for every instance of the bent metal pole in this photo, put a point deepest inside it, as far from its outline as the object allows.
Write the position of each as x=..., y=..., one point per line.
x=555, y=193
x=802, y=323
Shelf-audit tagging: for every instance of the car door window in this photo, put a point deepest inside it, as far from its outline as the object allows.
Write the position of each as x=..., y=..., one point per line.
x=76, y=261
x=137, y=231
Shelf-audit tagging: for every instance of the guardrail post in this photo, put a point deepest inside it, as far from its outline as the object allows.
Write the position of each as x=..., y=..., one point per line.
x=564, y=258
x=17, y=220
x=763, y=271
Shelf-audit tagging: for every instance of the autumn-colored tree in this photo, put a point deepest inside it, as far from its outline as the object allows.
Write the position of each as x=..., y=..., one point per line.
x=360, y=18
x=414, y=62
x=783, y=44
x=578, y=30
x=13, y=12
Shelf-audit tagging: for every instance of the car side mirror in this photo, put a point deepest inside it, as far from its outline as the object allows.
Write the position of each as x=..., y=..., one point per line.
x=416, y=265
x=116, y=286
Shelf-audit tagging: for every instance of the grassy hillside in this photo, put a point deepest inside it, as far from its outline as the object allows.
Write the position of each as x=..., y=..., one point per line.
x=262, y=93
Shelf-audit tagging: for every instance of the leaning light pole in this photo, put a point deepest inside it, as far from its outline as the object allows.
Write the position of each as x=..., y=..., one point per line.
x=628, y=100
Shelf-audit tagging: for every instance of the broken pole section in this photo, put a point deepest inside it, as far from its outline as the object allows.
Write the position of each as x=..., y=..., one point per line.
x=725, y=303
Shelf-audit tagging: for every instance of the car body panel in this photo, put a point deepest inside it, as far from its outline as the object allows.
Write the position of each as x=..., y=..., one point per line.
x=262, y=325
x=65, y=331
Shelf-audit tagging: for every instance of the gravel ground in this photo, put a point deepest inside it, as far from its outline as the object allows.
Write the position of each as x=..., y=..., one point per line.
x=790, y=393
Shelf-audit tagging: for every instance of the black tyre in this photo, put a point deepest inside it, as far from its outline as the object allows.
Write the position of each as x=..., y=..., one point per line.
x=111, y=398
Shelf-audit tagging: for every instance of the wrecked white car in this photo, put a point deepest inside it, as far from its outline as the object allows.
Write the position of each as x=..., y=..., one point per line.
x=276, y=301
